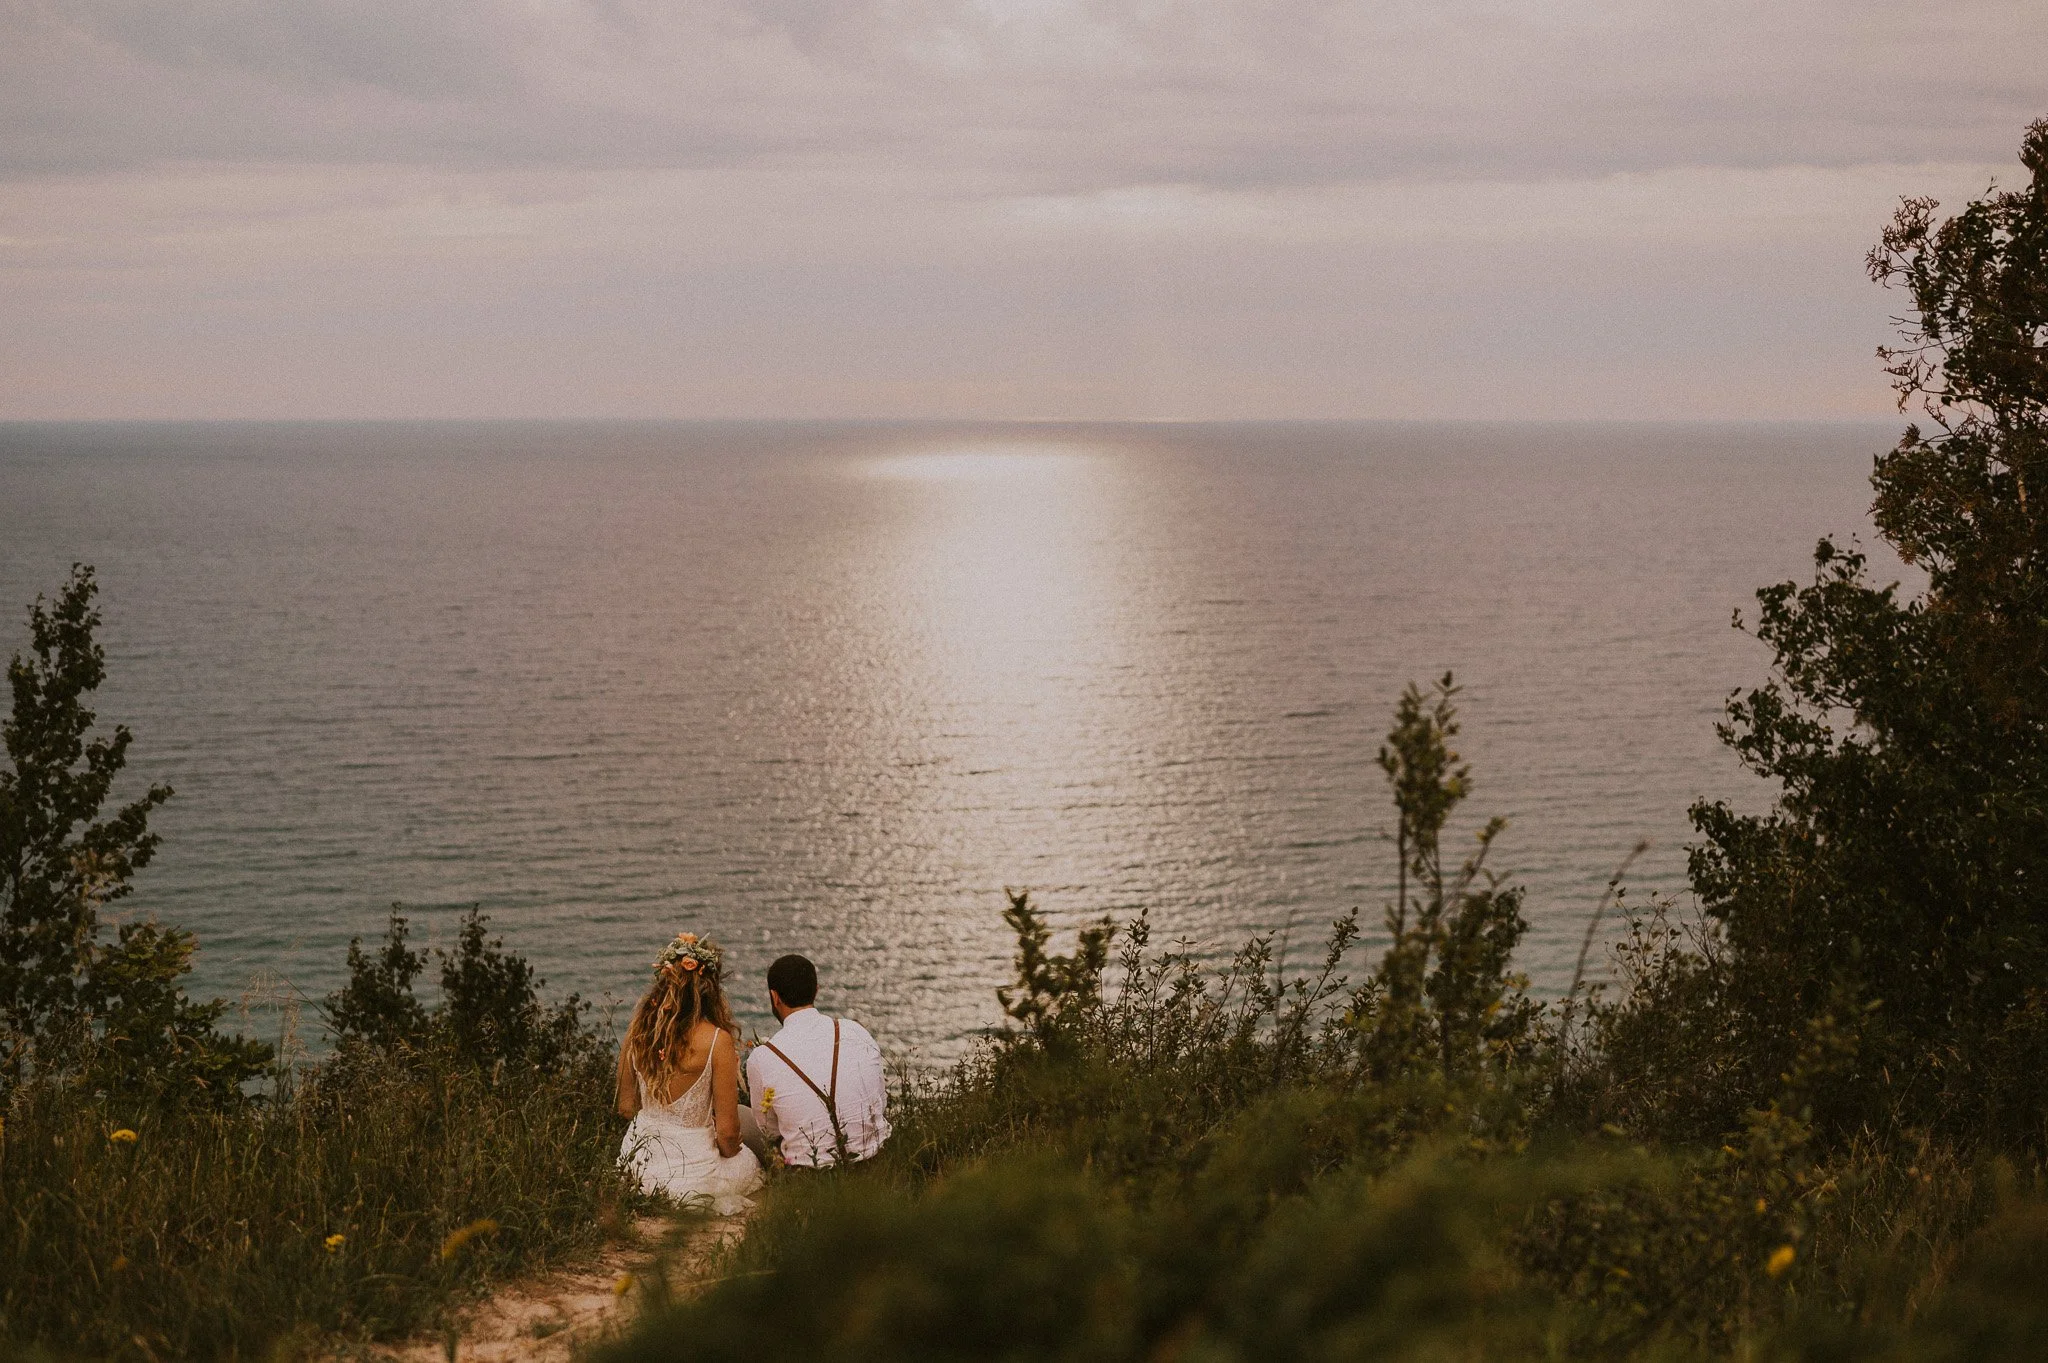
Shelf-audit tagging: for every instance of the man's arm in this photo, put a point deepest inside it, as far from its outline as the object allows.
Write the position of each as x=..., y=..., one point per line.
x=874, y=1080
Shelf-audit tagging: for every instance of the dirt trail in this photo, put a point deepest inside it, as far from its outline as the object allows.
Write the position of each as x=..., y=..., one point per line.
x=545, y=1319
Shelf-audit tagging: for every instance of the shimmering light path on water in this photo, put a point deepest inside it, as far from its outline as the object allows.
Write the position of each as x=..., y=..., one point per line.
x=831, y=688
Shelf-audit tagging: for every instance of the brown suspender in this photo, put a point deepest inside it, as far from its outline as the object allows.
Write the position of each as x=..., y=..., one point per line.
x=831, y=1103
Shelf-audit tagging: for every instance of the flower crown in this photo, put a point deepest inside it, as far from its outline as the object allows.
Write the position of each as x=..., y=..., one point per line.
x=689, y=952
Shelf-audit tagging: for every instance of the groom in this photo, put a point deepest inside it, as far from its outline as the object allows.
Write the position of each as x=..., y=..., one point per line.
x=817, y=1083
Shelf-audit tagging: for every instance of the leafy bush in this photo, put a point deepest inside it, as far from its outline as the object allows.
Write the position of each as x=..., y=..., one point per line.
x=153, y=1207
x=376, y=1008
x=1022, y=1259
x=1443, y=997
x=325, y=1208
x=490, y=1016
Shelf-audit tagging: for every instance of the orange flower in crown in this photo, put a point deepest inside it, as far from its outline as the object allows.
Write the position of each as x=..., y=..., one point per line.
x=690, y=953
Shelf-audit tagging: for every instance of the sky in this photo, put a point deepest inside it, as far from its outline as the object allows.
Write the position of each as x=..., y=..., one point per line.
x=1000, y=209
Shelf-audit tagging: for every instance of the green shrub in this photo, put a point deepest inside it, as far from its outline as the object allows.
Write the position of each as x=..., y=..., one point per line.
x=377, y=1008
x=490, y=1016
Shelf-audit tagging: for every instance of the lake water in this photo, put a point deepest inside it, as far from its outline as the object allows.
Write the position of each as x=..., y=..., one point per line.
x=830, y=688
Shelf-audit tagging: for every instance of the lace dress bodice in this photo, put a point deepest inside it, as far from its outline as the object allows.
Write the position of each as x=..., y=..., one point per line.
x=671, y=1150
x=692, y=1107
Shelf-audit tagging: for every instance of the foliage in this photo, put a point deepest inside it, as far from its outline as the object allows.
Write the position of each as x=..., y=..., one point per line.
x=325, y=1210
x=1443, y=996
x=150, y=1209
x=376, y=1007
x=1165, y=1182
x=1965, y=504
x=1026, y=1260
x=1132, y=1079
x=1897, y=880
x=490, y=1016
x=153, y=1041
x=71, y=1003
x=208, y=1235
x=1051, y=989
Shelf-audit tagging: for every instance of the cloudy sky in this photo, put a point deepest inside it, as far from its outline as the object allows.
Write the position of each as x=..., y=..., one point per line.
x=980, y=208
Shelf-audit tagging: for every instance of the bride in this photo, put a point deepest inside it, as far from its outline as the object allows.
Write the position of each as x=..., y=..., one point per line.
x=679, y=1082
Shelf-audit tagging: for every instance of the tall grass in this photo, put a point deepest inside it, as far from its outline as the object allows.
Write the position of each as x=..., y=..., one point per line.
x=366, y=1196
x=322, y=1213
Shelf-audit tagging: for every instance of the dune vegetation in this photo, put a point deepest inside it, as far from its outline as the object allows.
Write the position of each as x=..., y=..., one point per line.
x=1805, y=1120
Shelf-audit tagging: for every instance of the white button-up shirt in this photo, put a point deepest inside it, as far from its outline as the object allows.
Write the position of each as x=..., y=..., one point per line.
x=788, y=1109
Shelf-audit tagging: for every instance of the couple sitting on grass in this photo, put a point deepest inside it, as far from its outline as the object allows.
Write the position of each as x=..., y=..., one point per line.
x=818, y=1097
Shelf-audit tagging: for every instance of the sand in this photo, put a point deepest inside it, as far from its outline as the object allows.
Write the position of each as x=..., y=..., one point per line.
x=545, y=1319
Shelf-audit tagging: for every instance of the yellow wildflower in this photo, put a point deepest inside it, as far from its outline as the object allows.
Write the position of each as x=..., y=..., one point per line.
x=1780, y=1260
x=622, y=1285
x=768, y=1099
x=452, y=1246
x=1762, y=1206
x=334, y=1243
x=123, y=1137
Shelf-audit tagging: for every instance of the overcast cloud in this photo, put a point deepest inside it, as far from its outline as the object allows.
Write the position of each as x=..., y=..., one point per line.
x=1007, y=208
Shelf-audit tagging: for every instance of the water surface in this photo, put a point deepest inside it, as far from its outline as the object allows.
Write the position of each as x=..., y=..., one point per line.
x=831, y=688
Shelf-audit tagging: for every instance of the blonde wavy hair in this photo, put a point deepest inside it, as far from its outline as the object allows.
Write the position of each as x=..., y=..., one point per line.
x=685, y=991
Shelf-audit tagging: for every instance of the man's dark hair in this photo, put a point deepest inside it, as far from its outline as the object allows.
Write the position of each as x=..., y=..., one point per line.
x=794, y=980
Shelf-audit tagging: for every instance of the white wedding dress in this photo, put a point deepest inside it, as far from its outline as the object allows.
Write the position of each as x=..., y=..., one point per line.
x=671, y=1149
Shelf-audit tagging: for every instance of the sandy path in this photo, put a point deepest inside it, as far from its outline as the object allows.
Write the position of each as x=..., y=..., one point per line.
x=545, y=1319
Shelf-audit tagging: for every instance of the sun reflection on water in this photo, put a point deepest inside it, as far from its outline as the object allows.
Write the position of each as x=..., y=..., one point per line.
x=981, y=463
x=1006, y=588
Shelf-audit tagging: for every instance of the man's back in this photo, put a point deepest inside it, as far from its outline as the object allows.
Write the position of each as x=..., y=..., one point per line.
x=797, y=1114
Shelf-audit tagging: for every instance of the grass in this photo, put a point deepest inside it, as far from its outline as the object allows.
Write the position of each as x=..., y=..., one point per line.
x=213, y=1234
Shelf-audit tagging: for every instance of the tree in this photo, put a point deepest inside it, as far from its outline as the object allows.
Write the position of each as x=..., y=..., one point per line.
x=491, y=1012
x=490, y=1016
x=1902, y=878
x=58, y=859
x=1052, y=991
x=1443, y=997
x=153, y=1041
x=377, y=1007
x=68, y=1000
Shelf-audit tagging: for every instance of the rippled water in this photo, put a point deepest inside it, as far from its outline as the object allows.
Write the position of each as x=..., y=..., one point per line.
x=831, y=688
